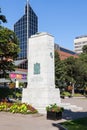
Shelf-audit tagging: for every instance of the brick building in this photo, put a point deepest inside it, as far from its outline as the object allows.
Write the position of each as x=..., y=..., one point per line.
x=65, y=53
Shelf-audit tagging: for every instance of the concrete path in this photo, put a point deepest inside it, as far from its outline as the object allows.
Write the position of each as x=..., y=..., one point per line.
x=9, y=121
x=79, y=102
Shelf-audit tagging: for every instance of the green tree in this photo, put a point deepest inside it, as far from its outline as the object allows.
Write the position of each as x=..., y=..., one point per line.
x=77, y=71
x=84, y=49
x=70, y=69
x=2, y=17
x=72, y=72
x=82, y=63
x=59, y=71
x=9, y=48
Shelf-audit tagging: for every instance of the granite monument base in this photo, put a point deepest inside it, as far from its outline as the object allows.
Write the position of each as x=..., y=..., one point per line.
x=40, y=98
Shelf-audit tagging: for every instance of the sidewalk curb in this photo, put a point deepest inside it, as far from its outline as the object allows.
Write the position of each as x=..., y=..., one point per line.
x=59, y=126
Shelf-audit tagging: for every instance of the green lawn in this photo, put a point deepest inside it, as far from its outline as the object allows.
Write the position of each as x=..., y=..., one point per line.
x=78, y=124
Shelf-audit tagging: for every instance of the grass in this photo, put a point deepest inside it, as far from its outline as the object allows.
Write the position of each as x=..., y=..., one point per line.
x=78, y=124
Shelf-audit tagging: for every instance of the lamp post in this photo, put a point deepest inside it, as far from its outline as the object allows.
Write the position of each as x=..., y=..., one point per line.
x=16, y=85
x=15, y=88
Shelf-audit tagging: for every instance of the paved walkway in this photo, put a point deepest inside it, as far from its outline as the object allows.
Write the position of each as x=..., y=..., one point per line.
x=79, y=102
x=9, y=121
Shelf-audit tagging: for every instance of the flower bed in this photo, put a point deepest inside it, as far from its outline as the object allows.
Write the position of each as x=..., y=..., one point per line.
x=17, y=108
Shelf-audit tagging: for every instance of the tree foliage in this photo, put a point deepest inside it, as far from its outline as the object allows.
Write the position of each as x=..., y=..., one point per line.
x=9, y=44
x=2, y=17
x=59, y=71
x=71, y=71
x=84, y=49
x=70, y=64
x=9, y=48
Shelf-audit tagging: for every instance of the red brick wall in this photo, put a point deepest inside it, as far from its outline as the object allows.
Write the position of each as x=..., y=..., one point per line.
x=64, y=55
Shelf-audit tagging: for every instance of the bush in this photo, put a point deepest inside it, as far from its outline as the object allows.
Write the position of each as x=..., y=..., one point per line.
x=65, y=93
x=4, y=92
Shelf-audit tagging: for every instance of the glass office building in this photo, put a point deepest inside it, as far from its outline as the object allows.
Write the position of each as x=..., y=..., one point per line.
x=26, y=26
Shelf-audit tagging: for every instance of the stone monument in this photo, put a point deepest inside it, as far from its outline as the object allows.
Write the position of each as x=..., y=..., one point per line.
x=41, y=90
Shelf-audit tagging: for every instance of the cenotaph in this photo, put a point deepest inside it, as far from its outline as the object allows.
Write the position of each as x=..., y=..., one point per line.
x=41, y=90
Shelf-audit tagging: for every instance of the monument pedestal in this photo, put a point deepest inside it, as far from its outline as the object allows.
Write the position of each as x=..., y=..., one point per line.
x=41, y=90
x=40, y=98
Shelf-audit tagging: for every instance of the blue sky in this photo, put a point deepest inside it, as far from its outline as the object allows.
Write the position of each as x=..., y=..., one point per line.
x=64, y=19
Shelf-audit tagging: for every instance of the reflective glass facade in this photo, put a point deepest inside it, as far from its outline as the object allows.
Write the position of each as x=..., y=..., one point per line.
x=20, y=28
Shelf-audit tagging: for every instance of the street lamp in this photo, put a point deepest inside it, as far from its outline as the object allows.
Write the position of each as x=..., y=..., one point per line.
x=15, y=88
